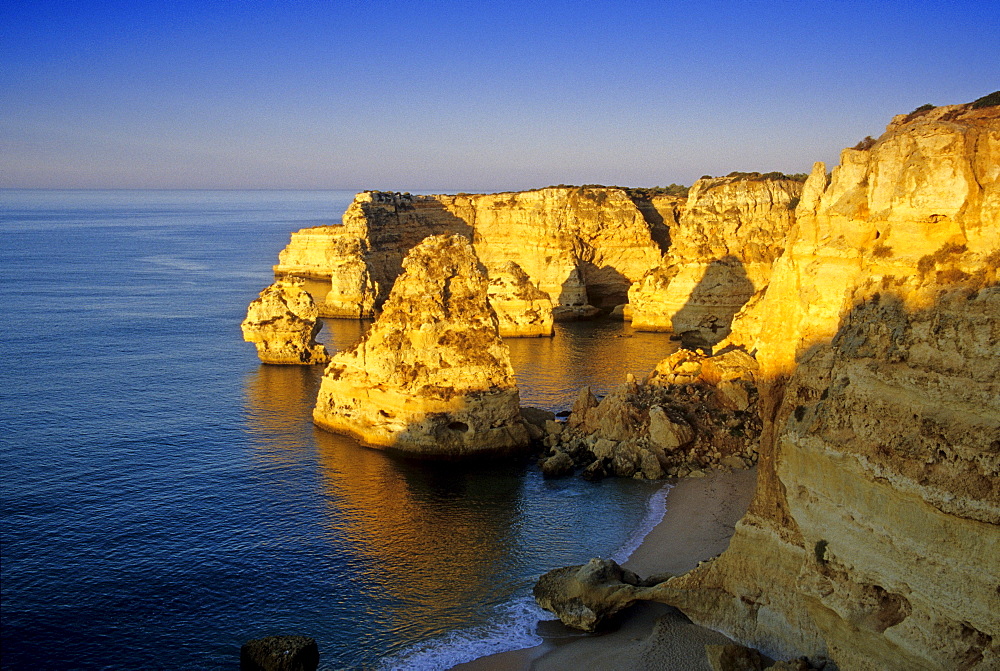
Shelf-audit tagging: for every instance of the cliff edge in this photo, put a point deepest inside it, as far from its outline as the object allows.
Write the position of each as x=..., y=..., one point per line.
x=874, y=534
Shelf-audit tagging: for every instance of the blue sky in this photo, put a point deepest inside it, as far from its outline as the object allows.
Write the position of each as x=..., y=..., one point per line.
x=470, y=96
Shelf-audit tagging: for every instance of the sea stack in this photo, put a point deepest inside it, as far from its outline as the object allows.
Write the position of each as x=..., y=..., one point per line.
x=283, y=322
x=432, y=377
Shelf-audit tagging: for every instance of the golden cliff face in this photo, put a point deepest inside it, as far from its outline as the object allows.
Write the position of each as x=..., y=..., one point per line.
x=721, y=251
x=431, y=377
x=874, y=535
x=577, y=245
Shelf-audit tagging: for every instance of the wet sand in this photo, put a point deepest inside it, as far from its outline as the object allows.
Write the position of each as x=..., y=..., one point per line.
x=699, y=521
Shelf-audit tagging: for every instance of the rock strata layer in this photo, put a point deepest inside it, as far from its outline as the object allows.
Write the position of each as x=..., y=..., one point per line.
x=874, y=534
x=283, y=322
x=431, y=377
x=580, y=246
x=729, y=234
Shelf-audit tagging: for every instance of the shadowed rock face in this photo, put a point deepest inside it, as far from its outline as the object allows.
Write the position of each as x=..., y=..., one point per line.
x=432, y=376
x=578, y=246
x=874, y=533
x=283, y=322
x=729, y=234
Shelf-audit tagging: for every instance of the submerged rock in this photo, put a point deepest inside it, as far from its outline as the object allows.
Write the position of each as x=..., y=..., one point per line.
x=431, y=377
x=280, y=653
x=283, y=322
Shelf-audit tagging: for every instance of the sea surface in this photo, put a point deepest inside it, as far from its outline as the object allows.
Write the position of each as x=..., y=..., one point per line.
x=164, y=497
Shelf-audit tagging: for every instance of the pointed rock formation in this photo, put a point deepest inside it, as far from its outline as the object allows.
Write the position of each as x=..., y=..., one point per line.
x=283, y=323
x=431, y=377
x=730, y=232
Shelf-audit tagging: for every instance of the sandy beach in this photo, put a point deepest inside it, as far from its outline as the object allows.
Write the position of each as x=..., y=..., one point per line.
x=698, y=523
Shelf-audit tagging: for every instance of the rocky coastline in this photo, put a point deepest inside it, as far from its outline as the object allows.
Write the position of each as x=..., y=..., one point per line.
x=842, y=336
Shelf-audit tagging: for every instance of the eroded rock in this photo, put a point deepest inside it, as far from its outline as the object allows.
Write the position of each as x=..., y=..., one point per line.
x=877, y=341
x=694, y=412
x=283, y=322
x=588, y=597
x=722, y=250
x=432, y=376
x=523, y=310
x=579, y=246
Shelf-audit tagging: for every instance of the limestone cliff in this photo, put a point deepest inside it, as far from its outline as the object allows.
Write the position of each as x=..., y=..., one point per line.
x=578, y=245
x=283, y=322
x=874, y=535
x=721, y=251
x=523, y=310
x=432, y=376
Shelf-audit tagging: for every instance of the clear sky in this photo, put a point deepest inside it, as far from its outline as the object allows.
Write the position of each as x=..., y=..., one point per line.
x=470, y=96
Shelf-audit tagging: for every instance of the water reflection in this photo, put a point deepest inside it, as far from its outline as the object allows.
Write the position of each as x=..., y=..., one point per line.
x=550, y=371
x=431, y=538
x=409, y=550
x=435, y=533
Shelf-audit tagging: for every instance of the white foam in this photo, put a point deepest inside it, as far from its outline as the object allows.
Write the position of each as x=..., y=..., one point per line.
x=656, y=508
x=516, y=627
x=513, y=630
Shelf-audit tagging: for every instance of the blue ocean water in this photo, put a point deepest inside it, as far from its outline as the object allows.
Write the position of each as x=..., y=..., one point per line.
x=165, y=497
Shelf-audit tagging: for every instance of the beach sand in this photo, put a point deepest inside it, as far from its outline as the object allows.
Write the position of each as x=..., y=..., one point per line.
x=699, y=521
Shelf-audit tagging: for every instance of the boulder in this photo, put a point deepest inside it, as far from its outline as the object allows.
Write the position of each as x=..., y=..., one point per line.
x=733, y=657
x=283, y=322
x=588, y=597
x=280, y=653
x=558, y=465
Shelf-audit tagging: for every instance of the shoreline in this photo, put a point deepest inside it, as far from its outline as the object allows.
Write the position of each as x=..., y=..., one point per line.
x=697, y=524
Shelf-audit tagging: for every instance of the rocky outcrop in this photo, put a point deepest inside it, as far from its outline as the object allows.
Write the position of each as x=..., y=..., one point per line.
x=283, y=322
x=721, y=251
x=523, y=310
x=874, y=533
x=431, y=377
x=588, y=597
x=692, y=414
x=579, y=246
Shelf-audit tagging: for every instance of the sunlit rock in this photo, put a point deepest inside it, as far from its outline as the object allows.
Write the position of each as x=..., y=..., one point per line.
x=729, y=234
x=588, y=597
x=874, y=533
x=523, y=310
x=283, y=322
x=432, y=376
x=581, y=246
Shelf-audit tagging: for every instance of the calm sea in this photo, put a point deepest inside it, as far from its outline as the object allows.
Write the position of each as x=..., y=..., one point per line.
x=165, y=497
